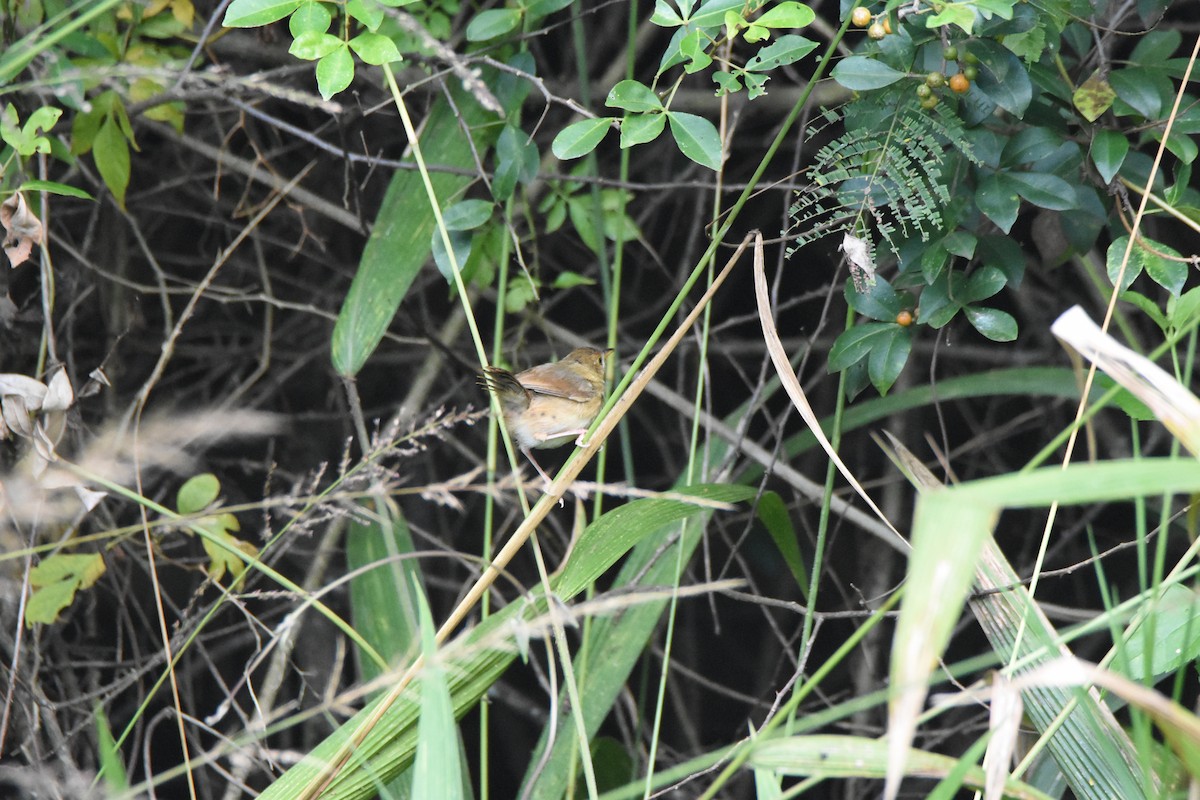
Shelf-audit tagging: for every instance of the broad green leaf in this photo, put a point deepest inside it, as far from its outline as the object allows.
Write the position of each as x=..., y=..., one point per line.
x=879, y=300
x=837, y=756
x=369, y=12
x=56, y=580
x=1031, y=145
x=461, y=242
x=787, y=14
x=1109, y=149
x=983, y=283
x=516, y=161
x=1044, y=190
x=942, y=568
x=1165, y=266
x=665, y=14
x=773, y=513
x=633, y=96
x=313, y=45
x=399, y=244
x=256, y=13
x=569, y=280
x=997, y=325
x=1002, y=76
x=641, y=128
x=334, y=72
x=693, y=48
x=110, y=151
x=1134, y=267
x=437, y=770
x=543, y=8
x=1175, y=632
x=1182, y=147
x=467, y=215
x=375, y=48
x=1137, y=87
x=112, y=768
x=610, y=536
x=861, y=73
x=960, y=14
x=1093, y=97
x=492, y=23
x=998, y=199
x=711, y=13
x=197, y=493
x=697, y=138
x=53, y=187
x=580, y=138
x=889, y=354
x=787, y=49
x=310, y=17
x=856, y=344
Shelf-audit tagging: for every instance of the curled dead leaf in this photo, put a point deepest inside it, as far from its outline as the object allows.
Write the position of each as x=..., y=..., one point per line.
x=22, y=229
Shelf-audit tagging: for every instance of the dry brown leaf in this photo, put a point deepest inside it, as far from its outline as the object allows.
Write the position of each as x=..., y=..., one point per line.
x=22, y=229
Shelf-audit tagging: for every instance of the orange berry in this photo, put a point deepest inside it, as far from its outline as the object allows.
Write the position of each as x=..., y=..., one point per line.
x=861, y=16
x=904, y=318
x=887, y=25
x=959, y=84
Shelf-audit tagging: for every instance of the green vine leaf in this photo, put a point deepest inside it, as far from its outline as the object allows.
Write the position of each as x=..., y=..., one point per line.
x=697, y=138
x=256, y=13
x=580, y=138
x=633, y=95
x=493, y=23
x=335, y=71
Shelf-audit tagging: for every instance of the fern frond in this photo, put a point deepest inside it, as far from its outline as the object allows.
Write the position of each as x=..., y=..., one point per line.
x=891, y=181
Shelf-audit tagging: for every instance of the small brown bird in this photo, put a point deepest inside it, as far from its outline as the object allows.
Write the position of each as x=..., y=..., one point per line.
x=550, y=404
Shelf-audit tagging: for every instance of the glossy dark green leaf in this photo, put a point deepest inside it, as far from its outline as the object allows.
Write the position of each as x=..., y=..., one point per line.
x=1030, y=145
x=1002, y=76
x=1005, y=255
x=998, y=199
x=1114, y=258
x=961, y=244
x=1043, y=190
x=1108, y=151
x=999, y=326
x=983, y=283
x=879, y=301
x=1165, y=266
x=861, y=73
x=1138, y=88
x=856, y=344
x=889, y=354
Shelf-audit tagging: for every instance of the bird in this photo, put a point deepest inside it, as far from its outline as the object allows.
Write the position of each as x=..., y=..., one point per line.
x=551, y=404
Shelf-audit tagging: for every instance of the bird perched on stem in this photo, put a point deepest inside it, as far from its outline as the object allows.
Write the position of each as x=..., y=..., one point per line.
x=550, y=404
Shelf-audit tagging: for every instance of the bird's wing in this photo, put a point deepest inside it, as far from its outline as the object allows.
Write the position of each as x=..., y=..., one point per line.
x=548, y=379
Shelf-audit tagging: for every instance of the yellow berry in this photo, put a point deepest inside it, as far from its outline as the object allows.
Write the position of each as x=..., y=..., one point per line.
x=861, y=16
x=904, y=319
x=876, y=31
